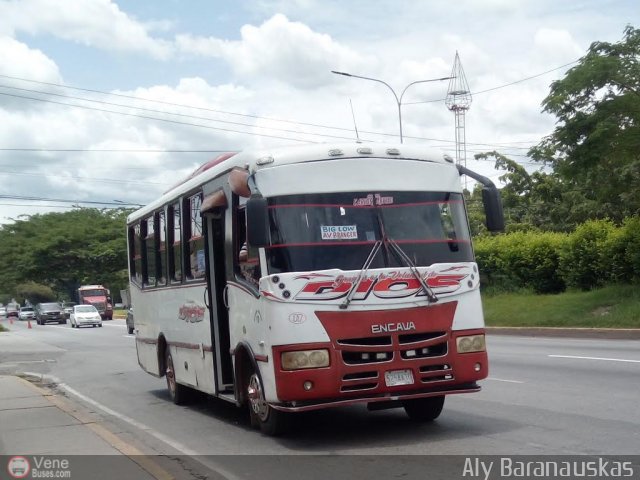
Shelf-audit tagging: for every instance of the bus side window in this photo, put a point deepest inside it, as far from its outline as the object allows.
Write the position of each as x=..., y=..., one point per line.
x=174, y=241
x=196, y=240
x=135, y=253
x=162, y=249
x=150, y=249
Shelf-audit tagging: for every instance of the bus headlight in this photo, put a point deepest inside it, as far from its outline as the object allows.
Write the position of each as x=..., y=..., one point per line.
x=305, y=359
x=472, y=343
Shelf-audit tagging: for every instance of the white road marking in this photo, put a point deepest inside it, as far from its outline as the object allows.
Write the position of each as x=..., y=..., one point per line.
x=109, y=325
x=503, y=380
x=596, y=358
x=160, y=436
x=129, y=336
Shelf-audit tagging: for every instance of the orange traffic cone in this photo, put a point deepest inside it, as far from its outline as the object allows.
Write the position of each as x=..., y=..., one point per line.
x=28, y=323
x=11, y=320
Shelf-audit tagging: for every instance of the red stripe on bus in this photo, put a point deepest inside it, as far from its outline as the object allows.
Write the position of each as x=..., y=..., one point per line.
x=328, y=243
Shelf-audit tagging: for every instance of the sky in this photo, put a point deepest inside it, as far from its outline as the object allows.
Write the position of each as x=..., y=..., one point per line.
x=114, y=100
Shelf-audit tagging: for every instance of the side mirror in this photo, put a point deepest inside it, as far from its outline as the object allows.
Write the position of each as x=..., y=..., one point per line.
x=257, y=221
x=493, y=209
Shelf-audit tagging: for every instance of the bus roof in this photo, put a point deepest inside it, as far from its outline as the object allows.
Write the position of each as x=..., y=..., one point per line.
x=273, y=157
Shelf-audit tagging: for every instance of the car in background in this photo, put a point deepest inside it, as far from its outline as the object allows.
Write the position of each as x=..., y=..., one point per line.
x=13, y=310
x=49, y=312
x=130, y=324
x=82, y=315
x=26, y=313
x=67, y=307
x=3, y=312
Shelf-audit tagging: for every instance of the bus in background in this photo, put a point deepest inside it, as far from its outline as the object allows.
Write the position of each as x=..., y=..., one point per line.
x=310, y=277
x=99, y=297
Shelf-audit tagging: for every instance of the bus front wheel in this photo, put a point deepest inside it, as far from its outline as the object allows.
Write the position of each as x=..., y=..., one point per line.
x=270, y=421
x=424, y=409
x=179, y=393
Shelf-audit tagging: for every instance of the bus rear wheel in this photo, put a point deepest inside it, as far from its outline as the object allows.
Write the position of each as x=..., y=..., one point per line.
x=424, y=409
x=270, y=421
x=179, y=393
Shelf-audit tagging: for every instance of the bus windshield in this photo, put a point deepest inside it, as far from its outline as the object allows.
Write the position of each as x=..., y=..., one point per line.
x=339, y=230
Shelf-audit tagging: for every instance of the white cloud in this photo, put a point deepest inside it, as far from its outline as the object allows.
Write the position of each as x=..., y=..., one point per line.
x=278, y=49
x=94, y=23
x=26, y=62
x=554, y=45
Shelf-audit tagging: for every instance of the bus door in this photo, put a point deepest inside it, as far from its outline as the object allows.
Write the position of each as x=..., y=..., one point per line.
x=215, y=220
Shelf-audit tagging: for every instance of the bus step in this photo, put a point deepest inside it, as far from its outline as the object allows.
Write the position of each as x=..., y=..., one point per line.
x=229, y=397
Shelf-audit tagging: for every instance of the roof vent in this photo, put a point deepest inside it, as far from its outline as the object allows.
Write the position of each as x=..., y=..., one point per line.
x=393, y=151
x=265, y=160
x=335, y=152
x=447, y=158
x=365, y=151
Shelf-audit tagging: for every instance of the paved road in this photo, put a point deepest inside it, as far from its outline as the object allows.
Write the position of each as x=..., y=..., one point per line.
x=544, y=396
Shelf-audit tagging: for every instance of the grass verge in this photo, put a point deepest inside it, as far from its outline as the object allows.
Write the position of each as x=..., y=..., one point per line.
x=615, y=306
x=2, y=329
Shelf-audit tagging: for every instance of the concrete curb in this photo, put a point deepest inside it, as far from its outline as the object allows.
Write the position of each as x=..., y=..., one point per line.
x=603, y=333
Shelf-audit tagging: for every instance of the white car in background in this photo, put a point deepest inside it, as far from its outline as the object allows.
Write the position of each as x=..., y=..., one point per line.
x=26, y=313
x=85, y=315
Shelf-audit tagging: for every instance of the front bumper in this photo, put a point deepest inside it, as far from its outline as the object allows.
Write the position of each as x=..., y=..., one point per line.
x=381, y=355
x=389, y=397
x=88, y=322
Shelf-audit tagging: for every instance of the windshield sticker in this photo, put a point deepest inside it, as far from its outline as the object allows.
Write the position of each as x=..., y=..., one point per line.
x=339, y=232
x=372, y=200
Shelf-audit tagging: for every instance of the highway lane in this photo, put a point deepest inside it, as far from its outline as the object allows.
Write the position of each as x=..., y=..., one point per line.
x=544, y=396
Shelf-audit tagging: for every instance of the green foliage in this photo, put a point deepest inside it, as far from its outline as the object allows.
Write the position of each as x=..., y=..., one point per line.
x=521, y=260
x=34, y=292
x=5, y=298
x=622, y=252
x=595, y=147
x=65, y=250
x=596, y=253
x=534, y=201
x=582, y=262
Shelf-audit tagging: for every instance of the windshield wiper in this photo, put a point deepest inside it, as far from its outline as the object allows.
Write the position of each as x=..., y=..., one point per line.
x=412, y=266
x=372, y=254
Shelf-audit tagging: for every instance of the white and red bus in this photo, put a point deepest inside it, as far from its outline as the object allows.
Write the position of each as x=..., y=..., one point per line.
x=310, y=277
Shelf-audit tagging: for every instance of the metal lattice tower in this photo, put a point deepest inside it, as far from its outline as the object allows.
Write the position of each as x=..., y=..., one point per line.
x=458, y=101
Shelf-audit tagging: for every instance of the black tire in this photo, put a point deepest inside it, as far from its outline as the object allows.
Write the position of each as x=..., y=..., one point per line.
x=270, y=421
x=100, y=325
x=130, y=330
x=72, y=325
x=424, y=409
x=179, y=393
x=64, y=322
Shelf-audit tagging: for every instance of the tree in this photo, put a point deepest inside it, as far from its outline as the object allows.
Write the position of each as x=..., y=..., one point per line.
x=34, y=292
x=65, y=250
x=595, y=147
x=538, y=200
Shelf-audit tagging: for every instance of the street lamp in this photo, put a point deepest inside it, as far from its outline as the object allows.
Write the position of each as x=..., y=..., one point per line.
x=398, y=100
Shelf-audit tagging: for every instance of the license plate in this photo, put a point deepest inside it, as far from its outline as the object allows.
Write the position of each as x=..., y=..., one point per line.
x=398, y=377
